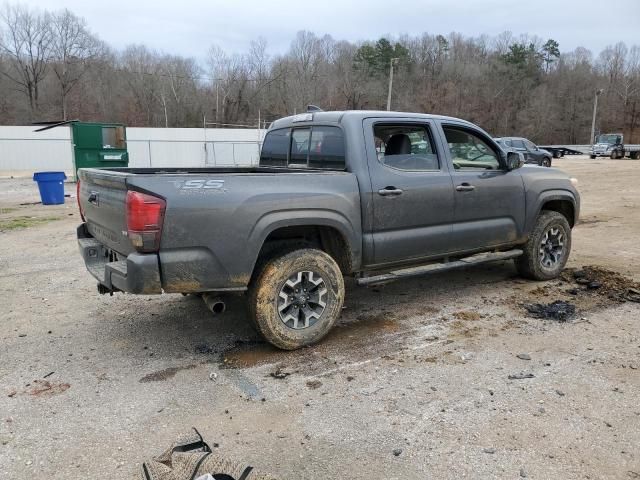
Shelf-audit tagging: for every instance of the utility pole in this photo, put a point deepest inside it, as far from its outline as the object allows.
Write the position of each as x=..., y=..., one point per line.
x=593, y=120
x=217, y=102
x=392, y=62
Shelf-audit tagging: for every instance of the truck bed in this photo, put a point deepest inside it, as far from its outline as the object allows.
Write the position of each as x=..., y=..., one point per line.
x=216, y=219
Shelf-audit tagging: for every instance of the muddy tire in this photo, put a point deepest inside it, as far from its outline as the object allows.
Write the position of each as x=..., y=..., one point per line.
x=547, y=249
x=296, y=298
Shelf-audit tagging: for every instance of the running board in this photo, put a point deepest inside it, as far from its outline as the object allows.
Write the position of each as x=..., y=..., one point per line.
x=439, y=267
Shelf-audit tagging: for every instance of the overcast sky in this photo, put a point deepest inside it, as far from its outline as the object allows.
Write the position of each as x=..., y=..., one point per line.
x=189, y=27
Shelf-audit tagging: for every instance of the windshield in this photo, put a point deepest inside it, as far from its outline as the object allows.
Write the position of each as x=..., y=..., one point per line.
x=609, y=138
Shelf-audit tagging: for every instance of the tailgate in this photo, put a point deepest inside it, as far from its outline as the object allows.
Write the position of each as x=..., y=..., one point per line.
x=102, y=197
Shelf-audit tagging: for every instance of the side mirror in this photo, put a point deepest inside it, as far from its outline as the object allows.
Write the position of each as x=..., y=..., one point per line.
x=514, y=160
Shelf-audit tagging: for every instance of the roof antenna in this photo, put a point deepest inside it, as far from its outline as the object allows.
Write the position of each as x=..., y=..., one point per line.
x=313, y=108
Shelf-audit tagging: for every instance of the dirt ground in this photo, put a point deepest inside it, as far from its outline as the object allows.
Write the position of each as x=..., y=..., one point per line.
x=440, y=377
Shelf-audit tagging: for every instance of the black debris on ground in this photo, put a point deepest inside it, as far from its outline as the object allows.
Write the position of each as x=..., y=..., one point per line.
x=558, y=310
x=520, y=376
x=279, y=374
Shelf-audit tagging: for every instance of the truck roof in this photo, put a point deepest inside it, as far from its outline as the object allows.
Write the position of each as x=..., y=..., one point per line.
x=345, y=116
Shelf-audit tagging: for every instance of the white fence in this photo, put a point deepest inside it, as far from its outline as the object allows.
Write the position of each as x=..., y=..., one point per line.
x=23, y=151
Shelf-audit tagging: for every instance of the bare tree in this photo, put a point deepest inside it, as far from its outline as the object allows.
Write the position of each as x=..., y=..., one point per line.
x=73, y=51
x=26, y=42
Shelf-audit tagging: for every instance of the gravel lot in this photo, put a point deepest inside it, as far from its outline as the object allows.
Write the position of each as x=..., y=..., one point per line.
x=412, y=383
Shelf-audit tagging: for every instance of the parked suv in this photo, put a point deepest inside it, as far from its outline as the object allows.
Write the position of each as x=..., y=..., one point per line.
x=531, y=152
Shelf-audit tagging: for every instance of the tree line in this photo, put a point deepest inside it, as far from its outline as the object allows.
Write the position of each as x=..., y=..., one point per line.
x=53, y=67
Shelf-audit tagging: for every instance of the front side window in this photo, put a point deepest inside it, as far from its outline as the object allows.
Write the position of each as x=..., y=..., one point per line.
x=517, y=143
x=530, y=145
x=405, y=147
x=470, y=151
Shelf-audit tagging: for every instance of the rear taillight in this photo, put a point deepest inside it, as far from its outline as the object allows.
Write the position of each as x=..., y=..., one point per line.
x=78, y=199
x=145, y=214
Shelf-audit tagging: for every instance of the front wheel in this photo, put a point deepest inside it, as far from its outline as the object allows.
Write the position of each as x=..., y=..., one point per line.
x=546, y=162
x=296, y=298
x=547, y=249
x=592, y=157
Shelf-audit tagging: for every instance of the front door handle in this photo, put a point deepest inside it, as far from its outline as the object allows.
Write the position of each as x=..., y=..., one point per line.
x=93, y=198
x=465, y=187
x=389, y=192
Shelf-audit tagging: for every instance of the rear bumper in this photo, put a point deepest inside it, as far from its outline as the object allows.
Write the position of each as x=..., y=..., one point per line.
x=138, y=273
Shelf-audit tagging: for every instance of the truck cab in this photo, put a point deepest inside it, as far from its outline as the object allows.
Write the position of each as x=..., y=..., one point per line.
x=608, y=145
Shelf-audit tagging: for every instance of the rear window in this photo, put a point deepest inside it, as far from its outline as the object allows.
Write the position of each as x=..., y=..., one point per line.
x=315, y=147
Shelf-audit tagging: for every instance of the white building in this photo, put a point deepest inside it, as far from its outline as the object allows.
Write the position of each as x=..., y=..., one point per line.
x=24, y=151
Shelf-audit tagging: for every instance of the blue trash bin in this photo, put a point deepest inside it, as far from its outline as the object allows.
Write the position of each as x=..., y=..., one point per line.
x=51, y=186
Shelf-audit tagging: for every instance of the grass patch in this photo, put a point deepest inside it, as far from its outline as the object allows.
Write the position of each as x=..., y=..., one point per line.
x=24, y=222
x=7, y=210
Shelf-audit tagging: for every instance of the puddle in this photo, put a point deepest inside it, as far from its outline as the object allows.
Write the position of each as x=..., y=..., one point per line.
x=351, y=339
x=245, y=385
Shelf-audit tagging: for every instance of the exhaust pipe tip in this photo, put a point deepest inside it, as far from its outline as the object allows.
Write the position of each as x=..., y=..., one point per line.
x=214, y=303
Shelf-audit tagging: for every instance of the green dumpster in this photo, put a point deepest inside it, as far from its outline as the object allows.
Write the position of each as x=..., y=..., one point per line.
x=95, y=145
x=99, y=145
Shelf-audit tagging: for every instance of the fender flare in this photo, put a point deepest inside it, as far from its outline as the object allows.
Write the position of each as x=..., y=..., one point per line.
x=550, y=195
x=272, y=221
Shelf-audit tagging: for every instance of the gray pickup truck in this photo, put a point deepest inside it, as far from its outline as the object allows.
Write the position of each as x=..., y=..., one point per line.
x=374, y=195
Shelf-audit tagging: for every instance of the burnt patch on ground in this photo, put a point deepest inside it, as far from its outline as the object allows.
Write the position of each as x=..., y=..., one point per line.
x=558, y=310
x=165, y=374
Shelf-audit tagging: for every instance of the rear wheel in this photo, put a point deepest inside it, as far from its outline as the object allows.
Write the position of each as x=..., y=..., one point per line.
x=296, y=298
x=547, y=249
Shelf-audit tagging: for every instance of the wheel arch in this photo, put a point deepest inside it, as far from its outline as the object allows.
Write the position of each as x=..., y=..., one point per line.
x=328, y=231
x=562, y=204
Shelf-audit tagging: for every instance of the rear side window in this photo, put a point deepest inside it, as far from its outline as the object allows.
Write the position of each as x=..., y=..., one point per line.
x=405, y=147
x=275, y=148
x=315, y=147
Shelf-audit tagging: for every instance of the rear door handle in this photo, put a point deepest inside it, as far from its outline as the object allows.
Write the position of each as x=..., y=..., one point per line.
x=465, y=187
x=389, y=192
